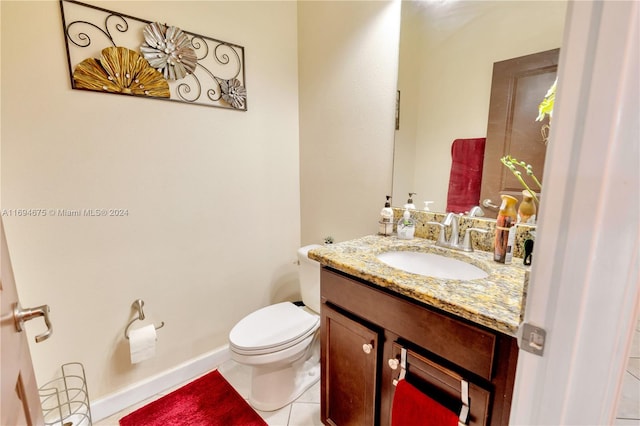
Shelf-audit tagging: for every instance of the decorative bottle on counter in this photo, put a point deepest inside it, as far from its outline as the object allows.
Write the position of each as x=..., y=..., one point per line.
x=527, y=208
x=506, y=219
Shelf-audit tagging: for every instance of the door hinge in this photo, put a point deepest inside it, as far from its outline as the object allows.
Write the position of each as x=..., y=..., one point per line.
x=532, y=338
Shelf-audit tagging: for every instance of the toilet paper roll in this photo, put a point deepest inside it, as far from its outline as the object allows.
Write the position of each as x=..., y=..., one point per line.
x=142, y=343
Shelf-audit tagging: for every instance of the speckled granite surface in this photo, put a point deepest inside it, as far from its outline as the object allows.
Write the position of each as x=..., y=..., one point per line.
x=496, y=302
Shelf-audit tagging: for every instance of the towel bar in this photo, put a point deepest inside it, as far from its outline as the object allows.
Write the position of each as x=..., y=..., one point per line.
x=463, y=417
x=137, y=305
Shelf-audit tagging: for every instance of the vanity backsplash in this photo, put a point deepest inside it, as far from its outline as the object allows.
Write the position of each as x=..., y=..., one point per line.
x=483, y=242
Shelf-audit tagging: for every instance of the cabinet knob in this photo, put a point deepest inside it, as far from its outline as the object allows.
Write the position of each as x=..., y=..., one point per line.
x=367, y=347
x=394, y=363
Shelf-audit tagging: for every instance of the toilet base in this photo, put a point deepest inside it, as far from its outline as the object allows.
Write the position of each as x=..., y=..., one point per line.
x=275, y=386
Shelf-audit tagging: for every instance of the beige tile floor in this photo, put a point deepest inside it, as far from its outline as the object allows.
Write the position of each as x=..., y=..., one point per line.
x=305, y=411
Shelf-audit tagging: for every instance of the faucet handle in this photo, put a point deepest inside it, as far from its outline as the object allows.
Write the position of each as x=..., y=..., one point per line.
x=466, y=243
x=441, y=237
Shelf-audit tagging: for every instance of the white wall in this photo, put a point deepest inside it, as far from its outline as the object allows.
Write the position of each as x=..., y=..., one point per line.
x=348, y=54
x=213, y=195
x=454, y=75
x=206, y=189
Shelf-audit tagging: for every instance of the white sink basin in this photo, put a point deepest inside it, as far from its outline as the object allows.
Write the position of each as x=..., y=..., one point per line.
x=431, y=265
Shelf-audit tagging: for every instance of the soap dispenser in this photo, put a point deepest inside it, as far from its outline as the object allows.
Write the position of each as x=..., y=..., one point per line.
x=410, y=204
x=406, y=226
x=386, y=218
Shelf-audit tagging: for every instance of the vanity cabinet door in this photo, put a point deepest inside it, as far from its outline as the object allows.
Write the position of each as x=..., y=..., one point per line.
x=349, y=359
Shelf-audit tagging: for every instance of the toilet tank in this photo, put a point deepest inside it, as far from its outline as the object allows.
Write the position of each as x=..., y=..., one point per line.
x=309, y=278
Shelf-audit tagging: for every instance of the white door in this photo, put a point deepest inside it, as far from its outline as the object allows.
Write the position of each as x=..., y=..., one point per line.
x=584, y=287
x=20, y=403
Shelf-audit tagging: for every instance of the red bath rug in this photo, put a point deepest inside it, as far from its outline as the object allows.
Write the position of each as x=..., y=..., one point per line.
x=207, y=401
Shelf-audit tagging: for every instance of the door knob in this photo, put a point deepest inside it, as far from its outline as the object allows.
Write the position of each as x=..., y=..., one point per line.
x=367, y=347
x=489, y=204
x=394, y=363
x=21, y=315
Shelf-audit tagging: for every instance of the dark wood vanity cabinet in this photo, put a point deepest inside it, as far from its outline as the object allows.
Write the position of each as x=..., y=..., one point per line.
x=364, y=326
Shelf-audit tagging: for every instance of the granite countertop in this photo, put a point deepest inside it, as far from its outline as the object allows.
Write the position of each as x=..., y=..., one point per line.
x=496, y=302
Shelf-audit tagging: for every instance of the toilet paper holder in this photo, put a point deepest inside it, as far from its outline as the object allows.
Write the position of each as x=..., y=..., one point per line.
x=137, y=305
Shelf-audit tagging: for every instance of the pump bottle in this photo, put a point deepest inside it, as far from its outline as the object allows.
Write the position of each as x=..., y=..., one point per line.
x=406, y=226
x=410, y=204
x=385, y=225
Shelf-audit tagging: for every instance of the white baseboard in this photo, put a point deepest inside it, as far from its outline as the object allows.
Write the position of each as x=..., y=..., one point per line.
x=118, y=401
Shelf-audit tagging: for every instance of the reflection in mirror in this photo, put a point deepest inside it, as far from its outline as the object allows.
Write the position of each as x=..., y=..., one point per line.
x=512, y=134
x=447, y=52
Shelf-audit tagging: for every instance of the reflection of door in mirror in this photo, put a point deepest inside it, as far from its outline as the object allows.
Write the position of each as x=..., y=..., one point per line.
x=518, y=86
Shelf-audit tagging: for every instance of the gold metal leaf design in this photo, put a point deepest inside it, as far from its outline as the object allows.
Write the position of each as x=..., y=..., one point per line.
x=121, y=70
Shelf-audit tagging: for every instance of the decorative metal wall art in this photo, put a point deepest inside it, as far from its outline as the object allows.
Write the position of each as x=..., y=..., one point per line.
x=115, y=53
x=168, y=49
x=120, y=70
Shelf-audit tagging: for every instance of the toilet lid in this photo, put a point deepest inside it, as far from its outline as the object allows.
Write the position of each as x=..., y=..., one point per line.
x=272, y=326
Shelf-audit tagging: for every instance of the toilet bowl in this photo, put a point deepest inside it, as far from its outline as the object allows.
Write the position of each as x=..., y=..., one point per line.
x=280, y=343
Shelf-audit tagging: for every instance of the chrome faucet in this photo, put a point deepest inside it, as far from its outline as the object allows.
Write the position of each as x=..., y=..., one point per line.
x=476, y=211
x=451, y=220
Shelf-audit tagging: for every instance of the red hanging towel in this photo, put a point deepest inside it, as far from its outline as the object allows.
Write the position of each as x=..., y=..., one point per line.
x=467, y=159
x=413, y=408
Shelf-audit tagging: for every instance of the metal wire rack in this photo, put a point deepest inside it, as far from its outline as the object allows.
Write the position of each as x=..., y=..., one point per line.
x=65, y=400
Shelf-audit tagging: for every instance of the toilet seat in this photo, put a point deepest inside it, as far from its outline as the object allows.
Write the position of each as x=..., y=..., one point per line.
x=272, y=329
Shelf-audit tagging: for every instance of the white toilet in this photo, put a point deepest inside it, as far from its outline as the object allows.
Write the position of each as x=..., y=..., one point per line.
x=281, y=343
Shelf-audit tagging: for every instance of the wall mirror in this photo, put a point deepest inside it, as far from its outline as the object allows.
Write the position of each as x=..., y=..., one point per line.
x=447, y=52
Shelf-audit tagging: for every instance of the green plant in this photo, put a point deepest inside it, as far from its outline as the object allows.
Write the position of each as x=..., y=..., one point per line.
x=546, y=106
x=512, y=164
